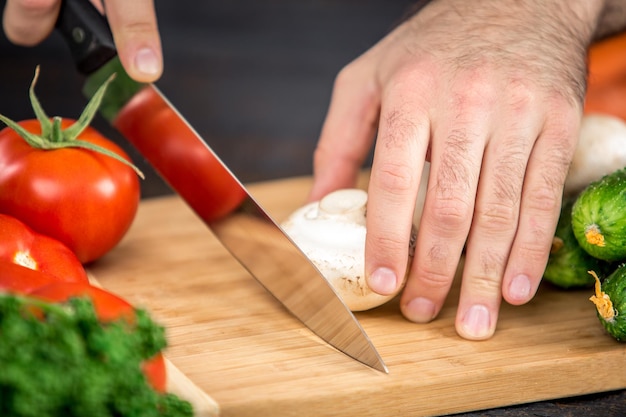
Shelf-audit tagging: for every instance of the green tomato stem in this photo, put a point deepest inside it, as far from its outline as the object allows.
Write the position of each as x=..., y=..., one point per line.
x=54, y=137
x=44, y=120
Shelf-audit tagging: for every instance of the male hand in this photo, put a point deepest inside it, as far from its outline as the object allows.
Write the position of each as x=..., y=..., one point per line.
x=490, y=92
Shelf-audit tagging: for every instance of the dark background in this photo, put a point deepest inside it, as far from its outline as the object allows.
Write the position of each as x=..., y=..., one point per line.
x=254, y=78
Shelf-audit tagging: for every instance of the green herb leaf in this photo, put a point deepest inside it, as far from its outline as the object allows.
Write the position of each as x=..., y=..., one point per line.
x=59, y=360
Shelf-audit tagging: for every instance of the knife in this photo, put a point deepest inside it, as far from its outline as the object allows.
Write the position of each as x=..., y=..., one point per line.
x=188, y=164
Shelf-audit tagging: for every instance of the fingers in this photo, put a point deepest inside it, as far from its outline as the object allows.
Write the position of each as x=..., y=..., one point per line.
x=133, y=24
x=136, y=35
x=495, y=219
x=517, y=207
x=397, y=168
x=27, y=23
x=458, y=141
x=506, y=219
x=540, y=204
x=348, y=131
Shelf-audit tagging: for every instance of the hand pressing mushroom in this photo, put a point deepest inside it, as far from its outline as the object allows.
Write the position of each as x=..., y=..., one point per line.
x=331, y=233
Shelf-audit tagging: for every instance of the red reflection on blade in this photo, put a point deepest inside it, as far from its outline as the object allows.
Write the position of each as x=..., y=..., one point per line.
x=174, y=150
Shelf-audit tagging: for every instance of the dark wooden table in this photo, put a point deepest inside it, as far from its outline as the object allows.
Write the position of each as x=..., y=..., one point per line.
x=254, y=77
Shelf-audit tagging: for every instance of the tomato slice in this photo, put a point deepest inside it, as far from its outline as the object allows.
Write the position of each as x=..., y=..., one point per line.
x=23, y=246
x=108, y=307
x=18, y=279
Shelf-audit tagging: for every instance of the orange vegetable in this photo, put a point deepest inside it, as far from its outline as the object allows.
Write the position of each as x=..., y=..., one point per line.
x=606, y=89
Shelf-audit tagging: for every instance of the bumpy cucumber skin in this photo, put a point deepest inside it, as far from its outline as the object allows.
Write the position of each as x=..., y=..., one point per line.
x=569, y=264
x=615, y=287
x=603, y=203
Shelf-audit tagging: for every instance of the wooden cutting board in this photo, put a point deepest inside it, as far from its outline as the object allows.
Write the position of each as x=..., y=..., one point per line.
x=236, y=342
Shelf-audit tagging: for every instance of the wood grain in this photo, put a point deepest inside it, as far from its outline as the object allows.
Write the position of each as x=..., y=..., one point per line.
x=179, y=384
x=237, y=343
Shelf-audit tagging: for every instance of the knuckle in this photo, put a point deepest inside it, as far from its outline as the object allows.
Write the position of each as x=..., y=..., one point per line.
x=535, y=253
x=434, y=281
x=406, y=75
x=435, y=269
x=478, y=92
x=485, y=283
x=521, y=95
x=140, y=27
x=451, y=213
x=343, y=77
x=389, y=244
x=497, y=215
x=352, y=84
x=416, y=82
x=395, y=178
x=347, y=75
x=544, y=198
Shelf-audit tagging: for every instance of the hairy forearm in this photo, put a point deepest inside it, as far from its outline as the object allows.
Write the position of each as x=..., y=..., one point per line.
x=610, y=20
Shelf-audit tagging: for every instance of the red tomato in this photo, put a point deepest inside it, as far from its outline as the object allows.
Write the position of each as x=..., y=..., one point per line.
x=166, y=141
x=21, y=280
x=82, y=198
x=108, y=307
x=21, y=245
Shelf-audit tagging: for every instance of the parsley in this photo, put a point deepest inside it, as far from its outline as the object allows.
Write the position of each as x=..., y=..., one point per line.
x=59, y=360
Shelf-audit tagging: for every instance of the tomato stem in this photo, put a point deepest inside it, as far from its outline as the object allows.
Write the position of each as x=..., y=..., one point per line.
x=54, y=137
x=44, y=120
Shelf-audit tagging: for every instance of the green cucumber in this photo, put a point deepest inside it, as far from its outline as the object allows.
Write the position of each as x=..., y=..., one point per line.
x=568, y=263
x=610, y=302
x=599, y=217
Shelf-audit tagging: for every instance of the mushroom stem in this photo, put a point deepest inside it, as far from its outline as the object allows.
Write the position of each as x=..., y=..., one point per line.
x=349, y=205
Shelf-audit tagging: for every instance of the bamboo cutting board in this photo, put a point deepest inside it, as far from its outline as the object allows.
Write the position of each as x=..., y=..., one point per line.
x=235, y=342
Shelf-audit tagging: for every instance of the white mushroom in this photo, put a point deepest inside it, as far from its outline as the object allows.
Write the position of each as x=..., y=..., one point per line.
x=331, y=233
x=601, y=150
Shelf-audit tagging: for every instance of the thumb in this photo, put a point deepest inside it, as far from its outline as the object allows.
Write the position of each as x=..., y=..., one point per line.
x=134, y=27
x=348, y=131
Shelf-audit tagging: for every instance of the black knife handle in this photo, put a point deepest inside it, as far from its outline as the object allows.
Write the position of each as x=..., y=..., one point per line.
x=87, y=33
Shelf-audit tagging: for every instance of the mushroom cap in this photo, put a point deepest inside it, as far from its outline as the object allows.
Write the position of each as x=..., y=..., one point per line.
x=331, y=233
x=599, y=152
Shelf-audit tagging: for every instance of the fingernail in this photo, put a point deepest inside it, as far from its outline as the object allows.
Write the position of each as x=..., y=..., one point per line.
x=519, y=289
x=383, y=281
x=420, y=310
x=477, y=322
x=146, y=61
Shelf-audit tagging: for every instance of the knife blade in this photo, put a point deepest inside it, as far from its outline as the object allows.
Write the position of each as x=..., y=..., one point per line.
x=189, y=165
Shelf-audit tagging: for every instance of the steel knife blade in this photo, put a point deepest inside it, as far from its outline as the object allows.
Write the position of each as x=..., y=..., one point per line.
x=189, y=165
